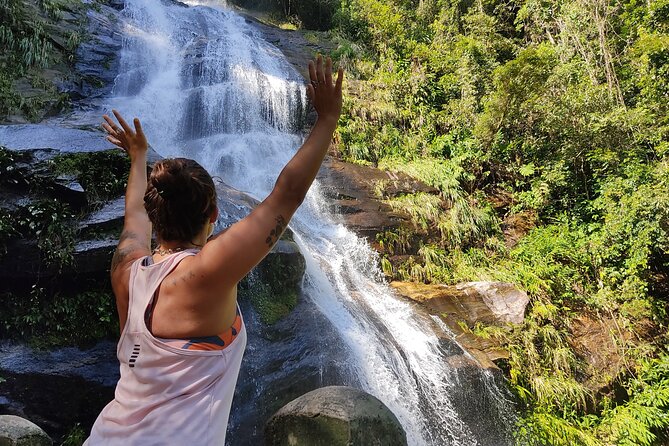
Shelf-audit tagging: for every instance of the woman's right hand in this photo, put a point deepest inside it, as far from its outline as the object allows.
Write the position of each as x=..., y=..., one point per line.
x=131, y=142
x=322, y=91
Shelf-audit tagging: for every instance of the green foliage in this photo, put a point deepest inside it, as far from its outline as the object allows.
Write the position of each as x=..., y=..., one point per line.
x=26, y=29
x=548, y=430
x=58, y=319
x=645, y=418
x=49, y=222
x=561, y=107
x=75, y=437
x=103, y=175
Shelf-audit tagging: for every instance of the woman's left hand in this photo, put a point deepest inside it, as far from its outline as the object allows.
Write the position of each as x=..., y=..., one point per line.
x=132, y=142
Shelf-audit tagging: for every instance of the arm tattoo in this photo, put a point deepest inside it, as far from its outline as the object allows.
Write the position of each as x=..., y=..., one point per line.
x=121, y=253
x=277, y=231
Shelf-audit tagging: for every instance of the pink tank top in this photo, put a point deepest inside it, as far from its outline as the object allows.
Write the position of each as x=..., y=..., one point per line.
x=166, y=395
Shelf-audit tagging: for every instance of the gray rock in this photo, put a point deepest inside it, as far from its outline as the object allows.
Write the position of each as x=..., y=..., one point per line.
x=506, y=302
x=284, y=266
x=97, y=60
x=110, y=216
x=17, y=431
x=61, y=139
x=25, y=264
x=93, y=256
x=334, y=416
x=68, y=189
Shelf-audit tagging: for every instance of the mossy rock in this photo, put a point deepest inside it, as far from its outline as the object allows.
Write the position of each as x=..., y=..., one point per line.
x=274, y=285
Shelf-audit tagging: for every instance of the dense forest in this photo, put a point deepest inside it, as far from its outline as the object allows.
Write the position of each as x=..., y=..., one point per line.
x=544, y=125
x=544, y=119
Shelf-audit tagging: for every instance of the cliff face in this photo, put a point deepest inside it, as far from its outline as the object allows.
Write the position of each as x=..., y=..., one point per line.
x=81, y=43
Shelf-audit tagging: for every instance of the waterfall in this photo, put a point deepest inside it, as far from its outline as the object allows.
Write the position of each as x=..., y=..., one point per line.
x=207, y=86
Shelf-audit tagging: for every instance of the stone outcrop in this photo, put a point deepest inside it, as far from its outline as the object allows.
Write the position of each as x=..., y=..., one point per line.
x=462, y=306
x=84, y=60
x=17, y=431
x=495, y=303
x=335, y=416
x=352, y=188
x=600, y=342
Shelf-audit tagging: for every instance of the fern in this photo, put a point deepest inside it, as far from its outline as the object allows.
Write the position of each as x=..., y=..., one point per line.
x=544, y=429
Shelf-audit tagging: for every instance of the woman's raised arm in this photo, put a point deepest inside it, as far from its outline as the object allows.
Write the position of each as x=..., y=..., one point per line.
x=135, y=240
x=227, y=258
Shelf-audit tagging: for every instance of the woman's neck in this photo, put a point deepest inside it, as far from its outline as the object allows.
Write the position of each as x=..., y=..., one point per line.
x=170, y=247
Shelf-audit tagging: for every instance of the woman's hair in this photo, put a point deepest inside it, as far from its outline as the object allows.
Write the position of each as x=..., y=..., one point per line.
x=180, y=197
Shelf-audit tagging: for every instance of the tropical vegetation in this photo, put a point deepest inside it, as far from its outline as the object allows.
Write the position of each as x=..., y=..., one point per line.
x=544, y=125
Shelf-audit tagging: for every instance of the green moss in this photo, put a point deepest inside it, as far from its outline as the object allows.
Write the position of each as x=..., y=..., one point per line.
x=272, y=305
x=47, y=221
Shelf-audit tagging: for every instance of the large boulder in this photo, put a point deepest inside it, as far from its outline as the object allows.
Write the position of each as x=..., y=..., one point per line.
x=17, y=431
x=461, y=307
x=489, y=302
x=334, y=416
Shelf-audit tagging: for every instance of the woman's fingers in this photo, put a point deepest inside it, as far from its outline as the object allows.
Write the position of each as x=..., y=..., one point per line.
x=328, y=72
x=109, y=120
x=108, y=128
x=138, y=128
x=312, y=72
x=320, y=77
x=340, y=78
x=115, y=141
x=310, y=92
x=121, y=121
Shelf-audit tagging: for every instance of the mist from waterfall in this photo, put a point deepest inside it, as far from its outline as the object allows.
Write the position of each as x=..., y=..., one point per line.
x=208, y=87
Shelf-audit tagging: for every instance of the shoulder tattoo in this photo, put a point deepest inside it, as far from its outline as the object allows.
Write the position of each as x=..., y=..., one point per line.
x=122, y=252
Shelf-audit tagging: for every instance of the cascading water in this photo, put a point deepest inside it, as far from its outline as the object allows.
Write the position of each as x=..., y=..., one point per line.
x=207, y=86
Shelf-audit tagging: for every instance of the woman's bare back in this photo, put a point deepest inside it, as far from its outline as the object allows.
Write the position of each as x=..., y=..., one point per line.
x=184, y=308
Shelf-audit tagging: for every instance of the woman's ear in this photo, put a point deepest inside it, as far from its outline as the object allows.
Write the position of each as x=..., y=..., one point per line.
x=214, y=215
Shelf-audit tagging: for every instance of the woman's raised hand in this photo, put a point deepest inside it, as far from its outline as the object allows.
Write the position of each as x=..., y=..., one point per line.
x=132, y=142
x=323, y=92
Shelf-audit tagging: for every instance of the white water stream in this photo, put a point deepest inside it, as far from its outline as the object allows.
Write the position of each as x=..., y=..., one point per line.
x=207, y=86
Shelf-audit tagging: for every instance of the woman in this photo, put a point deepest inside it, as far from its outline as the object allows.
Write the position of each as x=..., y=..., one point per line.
x=182, y=337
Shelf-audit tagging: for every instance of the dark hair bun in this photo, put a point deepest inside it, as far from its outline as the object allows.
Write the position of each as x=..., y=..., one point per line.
x=180, y=197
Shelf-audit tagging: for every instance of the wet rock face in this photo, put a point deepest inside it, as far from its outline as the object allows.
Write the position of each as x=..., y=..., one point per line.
x=351, y=189
x=58, y=388
x=17, y=431
x=97, y=58
x=335, y=416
